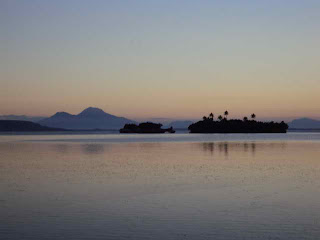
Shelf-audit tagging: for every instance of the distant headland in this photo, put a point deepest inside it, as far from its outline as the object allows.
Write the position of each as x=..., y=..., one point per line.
x=25, y=126
x=224, y=125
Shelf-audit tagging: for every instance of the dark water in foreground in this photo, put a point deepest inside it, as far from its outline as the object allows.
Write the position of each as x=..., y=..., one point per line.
x=160, y=187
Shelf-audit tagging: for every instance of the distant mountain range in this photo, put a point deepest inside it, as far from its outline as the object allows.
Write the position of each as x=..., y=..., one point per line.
x=90, y=118
x=304, y=123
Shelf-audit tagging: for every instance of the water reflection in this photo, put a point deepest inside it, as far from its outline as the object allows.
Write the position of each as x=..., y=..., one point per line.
x=264, y=190
x=93, y=148
x=90, y=148
x=208, y=146
x=252, y=147
x=61, y=148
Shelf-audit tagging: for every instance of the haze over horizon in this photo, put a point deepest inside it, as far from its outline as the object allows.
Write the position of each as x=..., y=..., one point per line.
x=171, y=59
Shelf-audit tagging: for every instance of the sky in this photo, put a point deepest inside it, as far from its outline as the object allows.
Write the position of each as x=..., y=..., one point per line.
x=176, y=59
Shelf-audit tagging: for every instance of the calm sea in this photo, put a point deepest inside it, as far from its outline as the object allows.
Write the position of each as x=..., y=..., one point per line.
x=178, y=186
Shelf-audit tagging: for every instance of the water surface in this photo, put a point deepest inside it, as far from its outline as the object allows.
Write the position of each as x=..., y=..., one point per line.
x=182, y=186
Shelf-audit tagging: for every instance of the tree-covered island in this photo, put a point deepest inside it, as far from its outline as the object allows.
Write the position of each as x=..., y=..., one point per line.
x=147, y=127
x=225, y=125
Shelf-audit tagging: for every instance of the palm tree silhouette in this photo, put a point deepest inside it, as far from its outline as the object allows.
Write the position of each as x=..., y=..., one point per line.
x=226, y=113
x=253, y=116
x=220, y=117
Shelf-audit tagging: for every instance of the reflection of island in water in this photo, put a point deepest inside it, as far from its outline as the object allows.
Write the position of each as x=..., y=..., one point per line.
x=223, y=125
x=147, y=127
x=93, y=148
x=225, y=147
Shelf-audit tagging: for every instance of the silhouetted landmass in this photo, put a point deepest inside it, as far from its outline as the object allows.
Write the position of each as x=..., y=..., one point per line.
x=22, y=118
x=24, y=126
x=304, y=123
x=208, y=125
x=147, y=127
x=90, y=118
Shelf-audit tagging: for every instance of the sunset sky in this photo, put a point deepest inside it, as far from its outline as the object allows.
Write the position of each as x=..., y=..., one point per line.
x=177, y=59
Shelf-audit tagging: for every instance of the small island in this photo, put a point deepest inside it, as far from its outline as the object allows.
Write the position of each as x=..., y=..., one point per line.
x=224, y=125
x=146, y=127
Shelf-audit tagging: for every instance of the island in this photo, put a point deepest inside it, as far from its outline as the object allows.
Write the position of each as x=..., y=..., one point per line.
x=146, y=127
x=224, y=125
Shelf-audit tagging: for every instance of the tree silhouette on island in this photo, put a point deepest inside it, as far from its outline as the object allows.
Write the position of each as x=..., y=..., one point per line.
x=208, y=125
x=226, y=113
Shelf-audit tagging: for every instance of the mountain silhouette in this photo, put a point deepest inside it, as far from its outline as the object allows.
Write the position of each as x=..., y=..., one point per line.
x=90, y=118
x=94, y=112
x=304, y=123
